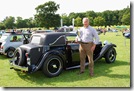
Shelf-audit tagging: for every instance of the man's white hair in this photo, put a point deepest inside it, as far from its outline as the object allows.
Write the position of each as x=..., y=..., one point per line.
x=85, y=19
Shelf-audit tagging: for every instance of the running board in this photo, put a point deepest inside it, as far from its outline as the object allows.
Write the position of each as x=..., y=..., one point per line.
x=73, y=67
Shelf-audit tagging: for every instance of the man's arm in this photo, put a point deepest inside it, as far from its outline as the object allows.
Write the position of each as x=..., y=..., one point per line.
x=95, y=34
x=93, y=47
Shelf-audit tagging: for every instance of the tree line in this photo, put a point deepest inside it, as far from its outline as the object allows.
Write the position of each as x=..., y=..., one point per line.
x=46, y=17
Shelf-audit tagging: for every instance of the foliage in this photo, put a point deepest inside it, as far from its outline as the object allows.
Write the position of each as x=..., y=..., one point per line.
x=9, y=22
x=91, y=20
x=91, y=14
x=126, y=19
x=116, y=17
x=99, y=21
x=46, y=16
x=78, y=21
x=2, y=26
x=65, y=19
x=24, y=23
x=20, y=23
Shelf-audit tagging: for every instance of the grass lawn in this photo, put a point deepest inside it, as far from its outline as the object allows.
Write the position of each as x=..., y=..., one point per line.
x=116, y=74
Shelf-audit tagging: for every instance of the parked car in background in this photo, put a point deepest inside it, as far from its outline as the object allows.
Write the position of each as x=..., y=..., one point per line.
x=65, y=29
x=2, y=32
x=126, y=34
x=11, y=40
x=114, y=30
x=54, y=52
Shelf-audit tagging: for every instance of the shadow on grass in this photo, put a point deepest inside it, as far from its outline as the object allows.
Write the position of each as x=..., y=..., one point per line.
x=101, y=69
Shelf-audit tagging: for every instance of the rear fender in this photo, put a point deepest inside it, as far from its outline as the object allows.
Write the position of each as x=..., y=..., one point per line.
x=104, y=50
x=12, y=48
x=47, y=54
x=55, y=52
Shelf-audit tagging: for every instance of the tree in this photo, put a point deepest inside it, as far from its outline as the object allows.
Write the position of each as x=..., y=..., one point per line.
x=126, y=19
x=126, y=16
x=19, y=23
x=30, y=22
x=9, y=22
x=91, y=14
x=99, y=21
x=65, y=19
x=78, y=21
x=115, y=20
x=91, y=20
x=46, y=16
x=25, y=23
x=107, y=15
x=2, y=26
x=71, y=16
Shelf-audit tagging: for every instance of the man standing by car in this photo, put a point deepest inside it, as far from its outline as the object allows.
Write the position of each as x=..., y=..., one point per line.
x=85, y=38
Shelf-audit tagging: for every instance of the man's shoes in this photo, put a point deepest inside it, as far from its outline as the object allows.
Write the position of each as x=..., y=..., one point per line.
x=80, y=73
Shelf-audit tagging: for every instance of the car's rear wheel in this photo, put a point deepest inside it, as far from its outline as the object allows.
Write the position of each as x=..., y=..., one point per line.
x=110, y=55
x=52, y=66
x=10, y=53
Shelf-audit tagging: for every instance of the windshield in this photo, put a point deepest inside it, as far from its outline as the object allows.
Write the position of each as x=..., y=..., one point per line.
x=3, y=37
x=36, y=39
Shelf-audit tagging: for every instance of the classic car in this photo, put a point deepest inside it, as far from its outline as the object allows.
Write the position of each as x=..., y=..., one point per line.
x=2, y=32
x=127, y=34
x=11, y=40
x=54, y=52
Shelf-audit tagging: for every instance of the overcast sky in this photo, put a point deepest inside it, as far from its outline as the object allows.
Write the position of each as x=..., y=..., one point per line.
x=26, y=8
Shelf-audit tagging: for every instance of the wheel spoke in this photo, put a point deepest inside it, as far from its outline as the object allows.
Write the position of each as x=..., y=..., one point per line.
x=54, y=66
x=111, y=55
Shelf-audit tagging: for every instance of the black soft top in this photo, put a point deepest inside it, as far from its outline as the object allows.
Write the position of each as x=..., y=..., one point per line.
x=48, y=38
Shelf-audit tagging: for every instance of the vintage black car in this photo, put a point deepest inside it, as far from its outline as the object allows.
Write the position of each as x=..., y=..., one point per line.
x=54, y=52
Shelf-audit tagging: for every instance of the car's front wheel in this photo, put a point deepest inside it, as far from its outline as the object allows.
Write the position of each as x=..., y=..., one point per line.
x=110, y=55
x=52, y=66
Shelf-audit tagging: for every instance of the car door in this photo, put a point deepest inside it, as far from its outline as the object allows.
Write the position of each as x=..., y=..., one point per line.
x=72, y=51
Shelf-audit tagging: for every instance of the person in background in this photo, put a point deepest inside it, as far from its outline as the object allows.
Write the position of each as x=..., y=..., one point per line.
x=87, y=39
x=14, y=39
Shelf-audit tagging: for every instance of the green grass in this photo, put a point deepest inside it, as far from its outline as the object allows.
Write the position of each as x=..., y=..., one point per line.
x=116, y=74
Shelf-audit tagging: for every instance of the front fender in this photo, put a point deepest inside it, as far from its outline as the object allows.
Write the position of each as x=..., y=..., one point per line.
x=104, y=50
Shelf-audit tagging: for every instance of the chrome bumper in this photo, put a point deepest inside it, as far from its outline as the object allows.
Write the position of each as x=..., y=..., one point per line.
x=2, y=52
x=14, y=66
